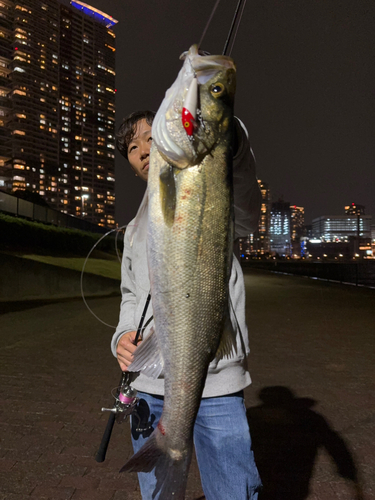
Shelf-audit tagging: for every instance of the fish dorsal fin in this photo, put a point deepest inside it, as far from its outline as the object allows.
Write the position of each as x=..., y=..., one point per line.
x=228, y=344
x=147, y=357
x=168, y=194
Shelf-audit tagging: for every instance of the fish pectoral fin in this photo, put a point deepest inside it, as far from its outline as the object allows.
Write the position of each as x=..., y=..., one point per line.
x=228, y=344
x=168, y=194
x=148, y=358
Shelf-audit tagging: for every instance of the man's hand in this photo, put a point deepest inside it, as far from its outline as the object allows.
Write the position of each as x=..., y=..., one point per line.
x=125, y=350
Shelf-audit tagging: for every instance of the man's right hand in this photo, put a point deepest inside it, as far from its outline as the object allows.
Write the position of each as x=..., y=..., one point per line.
x=125, y=349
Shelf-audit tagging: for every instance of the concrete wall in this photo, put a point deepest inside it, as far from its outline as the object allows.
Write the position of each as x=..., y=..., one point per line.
x=24, y=279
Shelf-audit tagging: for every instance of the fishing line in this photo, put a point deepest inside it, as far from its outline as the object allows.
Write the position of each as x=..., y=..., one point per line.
x=208, y=23
x=117, y=229
x=238, y=25
x=116, y=238
x=232, y=27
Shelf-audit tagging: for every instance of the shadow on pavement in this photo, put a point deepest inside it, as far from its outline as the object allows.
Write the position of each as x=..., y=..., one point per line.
x=286, y=435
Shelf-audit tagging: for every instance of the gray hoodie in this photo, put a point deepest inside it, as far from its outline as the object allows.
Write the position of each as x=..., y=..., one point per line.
x=228, y=375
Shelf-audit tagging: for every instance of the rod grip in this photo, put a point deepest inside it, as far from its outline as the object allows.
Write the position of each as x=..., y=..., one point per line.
x=100, y=456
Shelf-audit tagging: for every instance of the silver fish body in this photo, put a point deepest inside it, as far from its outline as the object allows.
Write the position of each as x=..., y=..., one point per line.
x=190, y=253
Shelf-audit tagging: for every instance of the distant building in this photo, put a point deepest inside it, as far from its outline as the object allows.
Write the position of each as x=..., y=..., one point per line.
x=6, y=57
x=307, y=231
x=341, y=250
x=355, y=209
x=57, y=100
x=342, y=236
x=297, y=221
x=280, y=228
x=263, y=235
x=341, y=227
x=259, y=242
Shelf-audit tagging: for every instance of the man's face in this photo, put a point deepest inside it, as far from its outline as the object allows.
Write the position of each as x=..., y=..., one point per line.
x=139, y=149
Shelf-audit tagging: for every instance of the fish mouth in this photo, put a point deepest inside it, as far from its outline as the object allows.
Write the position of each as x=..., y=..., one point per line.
x=201, y=59
x=183, y=143
x=206, y=66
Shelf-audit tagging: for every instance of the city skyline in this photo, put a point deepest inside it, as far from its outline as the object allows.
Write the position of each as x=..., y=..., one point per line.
x=305, y=90
x=319, y=186
x=282, y=232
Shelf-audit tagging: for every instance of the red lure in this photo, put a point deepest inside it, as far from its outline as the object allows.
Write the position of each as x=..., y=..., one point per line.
x=189, y=110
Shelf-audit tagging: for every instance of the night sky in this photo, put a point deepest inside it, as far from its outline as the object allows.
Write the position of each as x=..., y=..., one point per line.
x=305, y=89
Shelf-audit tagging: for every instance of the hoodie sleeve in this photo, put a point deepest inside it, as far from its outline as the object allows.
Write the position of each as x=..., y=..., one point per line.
x=128, y=293
x=246, y=192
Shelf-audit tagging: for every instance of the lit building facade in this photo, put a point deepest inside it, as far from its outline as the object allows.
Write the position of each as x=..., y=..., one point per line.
x=259, y=242
x=261, y=237
x=341, y=227
x=297, y=222
x=62, y=101
x=6, y=54
x=297, y=227
x=280, y=229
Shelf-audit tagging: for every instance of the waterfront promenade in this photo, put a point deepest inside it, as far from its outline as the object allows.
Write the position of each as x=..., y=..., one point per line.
x=311, y=405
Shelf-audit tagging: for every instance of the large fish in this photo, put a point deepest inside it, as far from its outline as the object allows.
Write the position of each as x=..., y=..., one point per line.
x=190, y=254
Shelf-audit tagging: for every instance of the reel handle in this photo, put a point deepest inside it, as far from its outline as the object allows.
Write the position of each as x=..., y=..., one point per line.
x=100, y=456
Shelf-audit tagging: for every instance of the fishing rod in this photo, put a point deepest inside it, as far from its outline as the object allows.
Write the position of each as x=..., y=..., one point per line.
x=236, y=21
x=126, y=399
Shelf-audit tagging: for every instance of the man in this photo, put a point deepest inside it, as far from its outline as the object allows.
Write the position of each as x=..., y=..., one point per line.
x=221, y=433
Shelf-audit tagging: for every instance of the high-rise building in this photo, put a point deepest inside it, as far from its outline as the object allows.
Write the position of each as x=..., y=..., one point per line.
x=62, y=99
x=262, y=236
x=6, y=52
x=259, y=242
x=297, y=221
x=280, y=228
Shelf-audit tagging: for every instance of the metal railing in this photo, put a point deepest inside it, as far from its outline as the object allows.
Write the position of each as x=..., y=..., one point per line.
x=12, y=205
x=359, y=272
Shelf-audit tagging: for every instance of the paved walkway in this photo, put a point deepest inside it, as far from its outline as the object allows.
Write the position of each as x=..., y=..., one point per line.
x=311, y=406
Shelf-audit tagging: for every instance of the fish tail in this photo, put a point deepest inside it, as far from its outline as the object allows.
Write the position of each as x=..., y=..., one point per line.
x=171, y=469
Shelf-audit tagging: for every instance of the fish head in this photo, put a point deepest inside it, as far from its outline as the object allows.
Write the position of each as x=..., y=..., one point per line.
x=216, y=78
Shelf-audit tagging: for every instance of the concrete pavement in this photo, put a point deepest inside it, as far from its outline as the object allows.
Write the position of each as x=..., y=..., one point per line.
x=311, y=405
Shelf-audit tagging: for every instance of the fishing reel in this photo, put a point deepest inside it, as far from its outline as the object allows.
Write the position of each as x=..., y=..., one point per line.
x=126, y=402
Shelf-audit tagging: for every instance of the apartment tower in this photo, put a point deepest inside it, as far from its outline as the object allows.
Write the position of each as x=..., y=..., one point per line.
x=61, y=107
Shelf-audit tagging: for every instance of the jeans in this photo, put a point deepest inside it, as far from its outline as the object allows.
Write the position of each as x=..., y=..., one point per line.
x=222, y=446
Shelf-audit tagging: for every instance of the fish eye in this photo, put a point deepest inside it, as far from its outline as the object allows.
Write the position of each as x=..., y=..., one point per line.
x=217, y=89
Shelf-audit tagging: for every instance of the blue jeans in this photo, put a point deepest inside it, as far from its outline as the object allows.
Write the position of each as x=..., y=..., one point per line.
x=222, y=446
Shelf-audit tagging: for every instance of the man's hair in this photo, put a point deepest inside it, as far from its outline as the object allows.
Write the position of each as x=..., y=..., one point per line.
x=128, y=128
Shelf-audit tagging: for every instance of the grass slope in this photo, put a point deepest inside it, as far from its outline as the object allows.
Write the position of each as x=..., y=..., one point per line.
x=102, y=267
